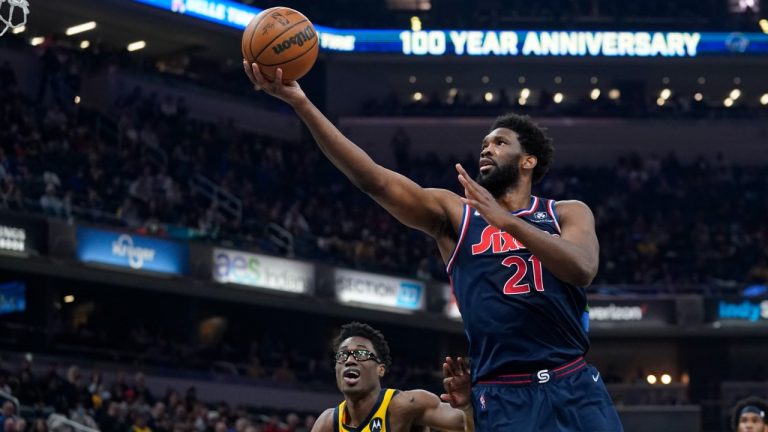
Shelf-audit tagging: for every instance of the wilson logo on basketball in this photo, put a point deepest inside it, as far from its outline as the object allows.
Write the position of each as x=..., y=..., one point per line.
x=298, y=39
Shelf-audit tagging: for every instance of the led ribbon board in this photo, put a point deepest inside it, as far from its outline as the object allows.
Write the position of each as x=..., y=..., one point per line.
x=492, y=42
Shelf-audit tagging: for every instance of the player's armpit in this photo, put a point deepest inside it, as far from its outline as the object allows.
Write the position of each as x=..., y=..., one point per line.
x=428, y=210
x=427, y=410
x=324, y=423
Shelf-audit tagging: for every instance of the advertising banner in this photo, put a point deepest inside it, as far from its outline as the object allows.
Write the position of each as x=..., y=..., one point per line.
x=738, y=310
x=13, y=297
x=490, y=42
x=631, y=312
x=243, y=268
x=26, y=235
x=132, y=251
x=377, y=291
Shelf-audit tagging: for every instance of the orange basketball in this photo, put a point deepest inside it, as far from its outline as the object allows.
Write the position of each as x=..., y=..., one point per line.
x=281, y=37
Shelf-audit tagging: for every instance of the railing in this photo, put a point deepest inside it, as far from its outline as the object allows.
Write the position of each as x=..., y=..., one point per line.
x=11, y=398
x=281, y=238
x=223, y=200
x=156, y=155
x=57, y=423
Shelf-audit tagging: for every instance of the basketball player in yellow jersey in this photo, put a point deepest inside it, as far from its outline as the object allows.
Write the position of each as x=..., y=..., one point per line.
x=362, y=359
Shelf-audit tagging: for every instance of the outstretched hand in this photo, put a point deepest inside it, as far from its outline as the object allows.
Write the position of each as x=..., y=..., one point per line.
x=457, y=383
x=481, y=200
x=290, y=92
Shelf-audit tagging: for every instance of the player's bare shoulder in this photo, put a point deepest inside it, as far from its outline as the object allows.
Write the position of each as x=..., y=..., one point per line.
x=569, y=210
x=451, y=204
x=324, y=423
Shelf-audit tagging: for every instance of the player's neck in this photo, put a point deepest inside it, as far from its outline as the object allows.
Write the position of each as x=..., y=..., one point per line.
x=359, y=408
x=516, y=199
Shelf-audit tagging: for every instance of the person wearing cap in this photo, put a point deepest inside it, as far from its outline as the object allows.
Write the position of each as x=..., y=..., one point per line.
x=749, y=415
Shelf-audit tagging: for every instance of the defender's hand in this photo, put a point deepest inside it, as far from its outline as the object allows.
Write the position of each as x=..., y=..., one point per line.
x=457, y=383
x=290, y=93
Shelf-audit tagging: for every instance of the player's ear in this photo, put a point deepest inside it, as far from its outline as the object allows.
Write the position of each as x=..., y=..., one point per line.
x=382, y=371
x=529, y=161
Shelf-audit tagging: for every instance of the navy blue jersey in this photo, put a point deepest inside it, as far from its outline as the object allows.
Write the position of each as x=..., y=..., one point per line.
x=517, y=315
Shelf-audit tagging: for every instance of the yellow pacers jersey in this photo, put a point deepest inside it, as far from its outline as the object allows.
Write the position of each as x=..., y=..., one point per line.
x=376, y=421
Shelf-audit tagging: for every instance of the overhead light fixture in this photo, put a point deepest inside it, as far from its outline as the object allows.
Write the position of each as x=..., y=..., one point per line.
x=614, y=94
x=594, y=94
x=522, y=100
x=698, y=97
x=18, y=30
x=728, y=102
x=135, y=46
x=666, y=379
x=665, y=94
x=558, y=98
x=418, y=96
x=415, y=23
x=69, y=298
x=524, y=93
x=488, y=97
x=35, y=41
x=84, y=44
x=661, y=101
x=651, y=379
x=764, y=99
x=764, y=25
x=735, y=94
x=90, y=25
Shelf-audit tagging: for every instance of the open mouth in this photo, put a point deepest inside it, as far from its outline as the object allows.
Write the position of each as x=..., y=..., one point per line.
x=351, y=376
x=486, y=164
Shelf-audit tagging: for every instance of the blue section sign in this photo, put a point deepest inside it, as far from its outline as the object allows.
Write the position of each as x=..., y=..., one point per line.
x=745, y=310
x=13, y=297
x=130, y=250
x=492, y=42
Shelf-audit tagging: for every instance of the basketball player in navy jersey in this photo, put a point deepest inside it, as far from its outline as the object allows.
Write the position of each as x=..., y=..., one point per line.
x=362, y=359
x=518, y=265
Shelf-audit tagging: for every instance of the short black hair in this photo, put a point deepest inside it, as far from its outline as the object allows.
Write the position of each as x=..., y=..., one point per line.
x=740, y=405
x=533, y=139
x=364, y=330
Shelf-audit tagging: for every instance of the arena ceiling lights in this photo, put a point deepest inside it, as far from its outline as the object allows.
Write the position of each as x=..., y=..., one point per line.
x=90, y=25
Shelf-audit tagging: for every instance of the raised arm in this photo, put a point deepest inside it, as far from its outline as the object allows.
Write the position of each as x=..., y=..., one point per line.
x=427, y=410
x=417, y=207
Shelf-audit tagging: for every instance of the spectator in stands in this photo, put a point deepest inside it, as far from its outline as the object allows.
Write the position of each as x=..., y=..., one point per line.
x=140, y=420
x=255, y=369
x=8, y=412
x=749, y=415
x=20, y=424
x=40, y=425
x=140, y=389
x=9, y=425
x=111, y=420
x=284, y=374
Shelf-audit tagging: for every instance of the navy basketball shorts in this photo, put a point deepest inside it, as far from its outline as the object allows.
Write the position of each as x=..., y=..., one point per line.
x=571, y=397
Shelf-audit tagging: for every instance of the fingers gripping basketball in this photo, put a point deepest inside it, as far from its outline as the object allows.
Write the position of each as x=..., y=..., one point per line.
x=281, y=37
